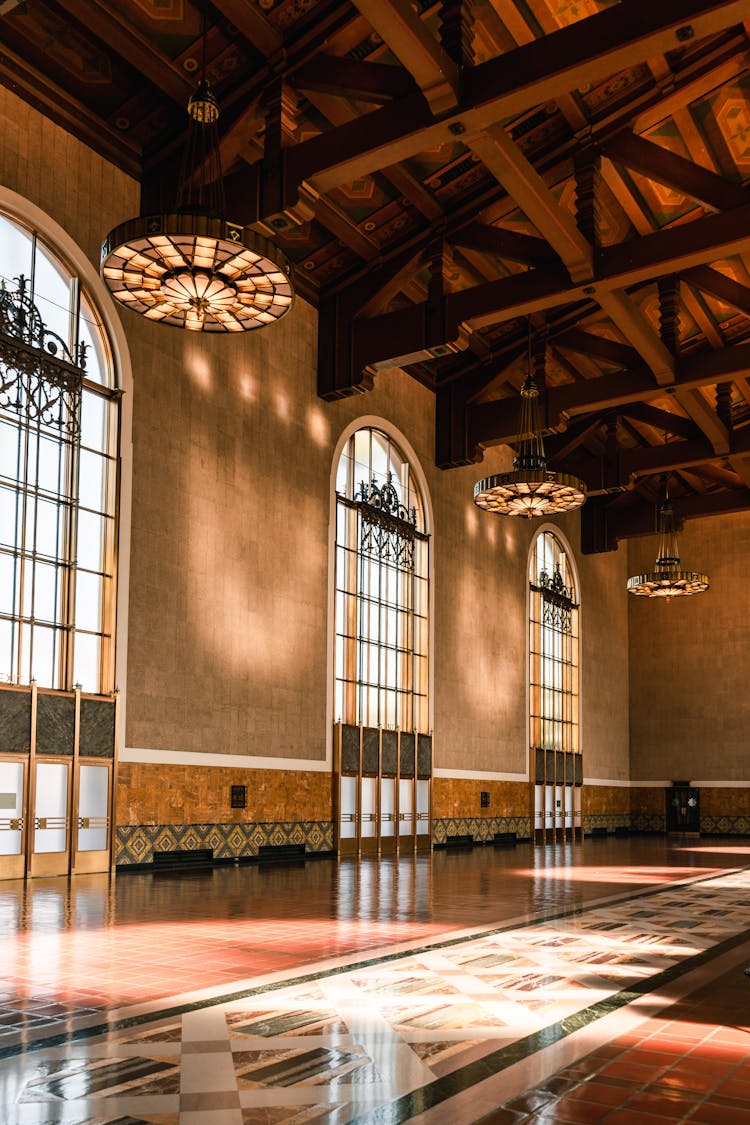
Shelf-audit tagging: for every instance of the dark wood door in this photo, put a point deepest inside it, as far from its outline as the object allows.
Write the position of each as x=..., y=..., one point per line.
x=683, y=809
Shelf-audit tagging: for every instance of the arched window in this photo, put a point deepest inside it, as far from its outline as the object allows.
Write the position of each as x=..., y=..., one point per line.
x=382, y=598
x=59, y=422
x=553, y=647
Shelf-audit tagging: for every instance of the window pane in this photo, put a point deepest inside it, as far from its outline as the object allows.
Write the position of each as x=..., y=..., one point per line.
x=90, y=333
x=47, y=587
x=90, y=540
x=91, y=480
x=88, y=600
x=52, y=294
x=15, y=251
x=10, y=443
x=86, y=661
x=49, y=527
x=52, y=463
x=7, y=652
x=10, y=512
x=9, y=579
x=43, y=656
x=94, y=411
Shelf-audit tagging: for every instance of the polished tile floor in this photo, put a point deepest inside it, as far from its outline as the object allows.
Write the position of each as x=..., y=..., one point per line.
x=597, y=982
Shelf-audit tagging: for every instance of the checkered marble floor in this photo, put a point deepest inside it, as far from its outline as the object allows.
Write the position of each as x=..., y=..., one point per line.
x=448, y=1031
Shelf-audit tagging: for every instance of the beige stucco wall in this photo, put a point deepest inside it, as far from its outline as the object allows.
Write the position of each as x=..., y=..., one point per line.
x=690, y=705
x=232, y=450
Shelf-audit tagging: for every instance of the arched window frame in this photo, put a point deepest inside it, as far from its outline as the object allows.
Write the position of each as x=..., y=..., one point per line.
x=553, y=652
x=337, y=712
x=110, y=596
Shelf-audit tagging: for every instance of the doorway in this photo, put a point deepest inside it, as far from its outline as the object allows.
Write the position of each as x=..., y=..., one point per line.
x=683, y=809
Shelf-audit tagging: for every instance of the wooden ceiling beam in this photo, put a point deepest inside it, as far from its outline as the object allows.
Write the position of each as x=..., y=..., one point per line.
x=66, y=111
x=398, y=338
x=372, y=82
x=497, y=422
x=658, y=163
x=663, y=420
x=409, y=39
x=656, y=459
x=503, y=157
x=704, y=416
x=605, y=521
x=625, y=314
x=414, y=190
x=560, y=446
x=338, y=112
x=506, y=86
x=689, y=244
x=509, y=244
x=719, y=285
x=630, y=521
x=706, y=75
x=588, y=343
x=127, y=42
x=252, y=24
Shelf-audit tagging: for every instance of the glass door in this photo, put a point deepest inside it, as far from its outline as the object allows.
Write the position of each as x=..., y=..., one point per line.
x=12, y=790
x=51, y=825
x=91, y=820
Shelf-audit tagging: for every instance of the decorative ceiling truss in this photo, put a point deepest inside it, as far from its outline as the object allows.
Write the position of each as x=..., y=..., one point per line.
x=439, y=173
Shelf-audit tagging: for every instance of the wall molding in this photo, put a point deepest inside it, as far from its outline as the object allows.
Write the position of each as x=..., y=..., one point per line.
x=220, y=761
x=478, y=775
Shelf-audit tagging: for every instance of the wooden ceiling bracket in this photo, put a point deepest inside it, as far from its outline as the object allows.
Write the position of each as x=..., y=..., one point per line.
x=587, y=174
x=669, y=312
x=339, y=376
x=453, y=444
x=456, y=31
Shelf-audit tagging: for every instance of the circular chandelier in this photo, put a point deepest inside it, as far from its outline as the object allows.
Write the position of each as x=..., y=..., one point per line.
x=192, y=268
x=531, y=489
x=667, y=580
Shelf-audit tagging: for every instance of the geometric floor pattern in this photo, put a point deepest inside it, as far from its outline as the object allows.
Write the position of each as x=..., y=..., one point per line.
x=554, y=1019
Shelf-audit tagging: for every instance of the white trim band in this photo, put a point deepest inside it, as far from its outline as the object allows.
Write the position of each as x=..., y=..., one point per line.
x=221, y=761
x=479, y=775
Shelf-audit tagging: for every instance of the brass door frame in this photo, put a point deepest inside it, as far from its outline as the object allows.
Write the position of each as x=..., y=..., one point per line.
x=14, y=866
x=45, y=864
x=88, y=862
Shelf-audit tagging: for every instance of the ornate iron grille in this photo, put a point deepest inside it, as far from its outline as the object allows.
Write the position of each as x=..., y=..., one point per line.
x=39, y=377
x=558, y=602
x=387, y=527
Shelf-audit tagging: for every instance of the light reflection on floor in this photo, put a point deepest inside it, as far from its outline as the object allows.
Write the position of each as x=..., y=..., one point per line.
x=542, y=1016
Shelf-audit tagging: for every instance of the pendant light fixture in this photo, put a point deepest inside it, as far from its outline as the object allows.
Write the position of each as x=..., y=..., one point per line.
x=531, y=489
x=667, y=580
x=193, y=268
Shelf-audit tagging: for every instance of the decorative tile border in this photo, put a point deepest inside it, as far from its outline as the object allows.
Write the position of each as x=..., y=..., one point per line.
x=137, y=843
x=610, y=821
x=480, y=828
x=725, y=825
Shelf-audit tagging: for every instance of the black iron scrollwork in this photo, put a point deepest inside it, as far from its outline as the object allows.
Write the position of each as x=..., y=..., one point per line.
x=558, y=601
x=388, y=527
x=39, y=377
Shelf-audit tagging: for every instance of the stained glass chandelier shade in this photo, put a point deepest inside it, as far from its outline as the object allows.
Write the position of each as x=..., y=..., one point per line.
x=668, y=580
x=531, y=489
x=193, y=268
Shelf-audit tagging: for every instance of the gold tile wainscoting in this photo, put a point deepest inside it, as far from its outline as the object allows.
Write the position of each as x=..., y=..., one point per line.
x=605, y=806
x=169, y=808
x=149, y=794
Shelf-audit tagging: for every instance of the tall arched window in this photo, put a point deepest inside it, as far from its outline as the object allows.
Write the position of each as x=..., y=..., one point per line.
x=59, y=423
x=382, y=598
x=553, y=690
x=553, y=646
